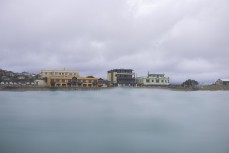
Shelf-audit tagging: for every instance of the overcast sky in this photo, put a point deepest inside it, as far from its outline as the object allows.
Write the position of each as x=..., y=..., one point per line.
x=181, y=38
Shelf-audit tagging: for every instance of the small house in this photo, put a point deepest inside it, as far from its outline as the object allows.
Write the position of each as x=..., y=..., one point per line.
x=222, y=82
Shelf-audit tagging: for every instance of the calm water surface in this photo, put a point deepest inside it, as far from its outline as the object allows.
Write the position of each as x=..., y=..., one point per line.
x=114, y=121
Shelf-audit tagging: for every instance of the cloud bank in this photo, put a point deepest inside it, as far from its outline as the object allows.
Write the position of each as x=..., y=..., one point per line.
x=181, y=38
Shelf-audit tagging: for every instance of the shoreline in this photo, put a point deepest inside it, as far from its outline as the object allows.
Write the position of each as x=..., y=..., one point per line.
x=171, y=87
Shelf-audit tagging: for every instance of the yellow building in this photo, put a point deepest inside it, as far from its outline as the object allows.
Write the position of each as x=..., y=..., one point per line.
x=72, y=82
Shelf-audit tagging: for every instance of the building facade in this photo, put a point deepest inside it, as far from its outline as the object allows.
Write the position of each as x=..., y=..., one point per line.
x=104, y=83
x=121, y=77
x=58, y=73
x=222, y=82
x=72, y=82
x=153, y=80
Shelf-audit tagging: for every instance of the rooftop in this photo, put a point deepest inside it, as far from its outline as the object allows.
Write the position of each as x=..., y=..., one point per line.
x=226, y=80
x=115, y=70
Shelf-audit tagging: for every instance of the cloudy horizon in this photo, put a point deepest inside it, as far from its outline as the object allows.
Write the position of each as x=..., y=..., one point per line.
x=180, y=38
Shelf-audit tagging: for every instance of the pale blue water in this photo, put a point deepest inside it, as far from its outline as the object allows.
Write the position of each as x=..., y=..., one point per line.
x=114, y=121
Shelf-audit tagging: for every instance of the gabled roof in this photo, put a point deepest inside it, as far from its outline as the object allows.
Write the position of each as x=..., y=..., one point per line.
x=225, y=80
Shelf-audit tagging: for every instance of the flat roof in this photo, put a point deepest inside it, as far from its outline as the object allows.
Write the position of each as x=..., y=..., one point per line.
x=78, y=78
x=59, y=70
x=113, y=70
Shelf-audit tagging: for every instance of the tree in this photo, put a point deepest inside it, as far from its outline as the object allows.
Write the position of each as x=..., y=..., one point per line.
x=190, y=83
x=90, y=76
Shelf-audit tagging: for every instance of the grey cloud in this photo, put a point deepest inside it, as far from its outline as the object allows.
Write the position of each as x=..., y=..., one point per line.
x=182, y=38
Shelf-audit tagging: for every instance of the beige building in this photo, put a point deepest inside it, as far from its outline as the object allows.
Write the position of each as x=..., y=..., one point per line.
x=153, y=80
x=58, y=73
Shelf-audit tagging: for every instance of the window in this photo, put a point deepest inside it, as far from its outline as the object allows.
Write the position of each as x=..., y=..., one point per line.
x=147, y=80
x=157, y=80
x=162, y=81
x=152, y=80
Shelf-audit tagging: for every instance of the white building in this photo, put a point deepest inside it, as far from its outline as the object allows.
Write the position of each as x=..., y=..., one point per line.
x=40, y=83
x=153, y=80
x=21, y=77
x=58, y=73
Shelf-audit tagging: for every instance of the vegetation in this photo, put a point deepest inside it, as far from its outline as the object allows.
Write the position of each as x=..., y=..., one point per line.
x=90, y=77
x=190, y=83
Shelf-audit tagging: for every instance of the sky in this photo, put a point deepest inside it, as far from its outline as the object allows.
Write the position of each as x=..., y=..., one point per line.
x=180, y=38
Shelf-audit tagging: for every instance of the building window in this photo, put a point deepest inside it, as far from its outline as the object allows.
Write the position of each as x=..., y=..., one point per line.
x=152, y=80
x=147, y=80
x=162, y=81
x=165, y=81
x=157, y=80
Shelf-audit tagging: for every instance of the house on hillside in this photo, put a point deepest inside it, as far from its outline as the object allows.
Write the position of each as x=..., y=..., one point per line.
x=222, y=82
x=21, y=77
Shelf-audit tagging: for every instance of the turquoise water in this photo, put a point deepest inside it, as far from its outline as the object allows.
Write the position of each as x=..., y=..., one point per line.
x=117, y=120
